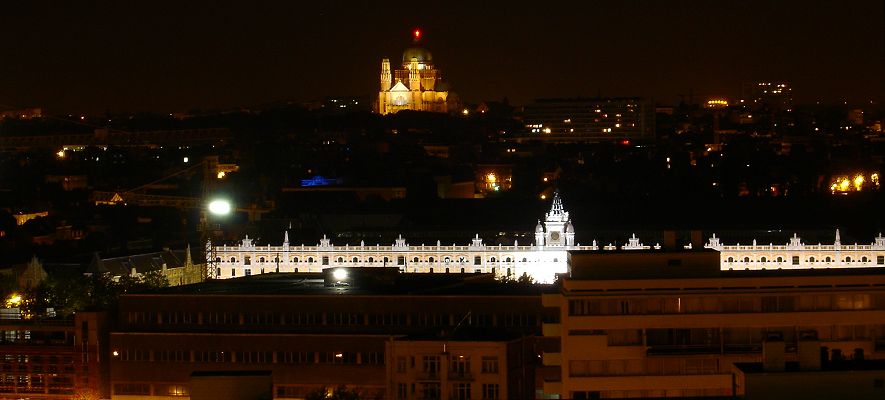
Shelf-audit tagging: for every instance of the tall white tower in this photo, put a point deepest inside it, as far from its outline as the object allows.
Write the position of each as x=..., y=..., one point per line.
x=555, y=224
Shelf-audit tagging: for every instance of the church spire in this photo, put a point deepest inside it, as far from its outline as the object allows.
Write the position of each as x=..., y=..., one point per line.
x=188, y=261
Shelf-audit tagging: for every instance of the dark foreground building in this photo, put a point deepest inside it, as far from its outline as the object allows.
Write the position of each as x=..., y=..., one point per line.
x=384, y=334
x=54, y=359
x=671, y=324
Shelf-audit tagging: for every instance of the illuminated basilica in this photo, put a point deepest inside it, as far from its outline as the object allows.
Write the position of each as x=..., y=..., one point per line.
x=415, y=87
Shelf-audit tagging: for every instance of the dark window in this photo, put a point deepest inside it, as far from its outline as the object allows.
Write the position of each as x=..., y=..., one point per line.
x=880, y=260
x=325, y=260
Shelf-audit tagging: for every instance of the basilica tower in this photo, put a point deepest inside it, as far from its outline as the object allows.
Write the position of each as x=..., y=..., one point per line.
x=385, y=75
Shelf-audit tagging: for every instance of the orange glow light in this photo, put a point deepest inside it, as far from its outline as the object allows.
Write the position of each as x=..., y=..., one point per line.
x=417, y=34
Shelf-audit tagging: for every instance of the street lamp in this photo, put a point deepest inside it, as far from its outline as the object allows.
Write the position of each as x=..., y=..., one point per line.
x=219, y=207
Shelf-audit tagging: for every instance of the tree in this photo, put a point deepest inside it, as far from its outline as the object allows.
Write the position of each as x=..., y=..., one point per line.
x=525, y=279
x=72, y=292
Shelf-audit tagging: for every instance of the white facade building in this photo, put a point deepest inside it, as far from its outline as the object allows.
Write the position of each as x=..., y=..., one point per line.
x=554, y=238
x=541, y=260
x=798, y=255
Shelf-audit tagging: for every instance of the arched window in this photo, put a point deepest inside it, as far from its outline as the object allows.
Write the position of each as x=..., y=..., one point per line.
x=371, y=259
x=763, y=259
x=386, y=260
x=462, y=259
x=233, y=259
x=309, y=260
x=746, y=259
x=811, y=259
x=430, y=259
x=864, y=259
x=218, y=272
x=415, y=259
x=524, y=259
x=730, y=259
x=491, y=260
x=354, y=259
x=848, y=259
x=780, y=259
x=339, y=259
x=555, y=260
x=295, y=259
x=261, y=259
x=507, y=259
x=218, y=259
x=828, y=259
x=447, y=260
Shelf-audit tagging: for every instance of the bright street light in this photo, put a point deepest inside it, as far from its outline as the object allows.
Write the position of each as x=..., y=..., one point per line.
x=219, y=207
x=339, y=274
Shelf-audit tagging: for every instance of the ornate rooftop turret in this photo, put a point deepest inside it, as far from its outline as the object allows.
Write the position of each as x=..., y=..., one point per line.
x=557, y=213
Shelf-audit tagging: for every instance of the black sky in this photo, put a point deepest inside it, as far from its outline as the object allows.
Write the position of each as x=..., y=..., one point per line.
x=97, y=56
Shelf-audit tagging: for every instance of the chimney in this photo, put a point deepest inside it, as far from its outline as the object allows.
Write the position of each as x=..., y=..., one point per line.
x=773, y=355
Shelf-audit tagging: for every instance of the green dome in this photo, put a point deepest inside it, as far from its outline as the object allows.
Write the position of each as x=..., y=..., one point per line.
x=422, y=54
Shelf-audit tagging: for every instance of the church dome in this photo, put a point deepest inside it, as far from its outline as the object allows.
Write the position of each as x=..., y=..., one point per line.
x=422, y=54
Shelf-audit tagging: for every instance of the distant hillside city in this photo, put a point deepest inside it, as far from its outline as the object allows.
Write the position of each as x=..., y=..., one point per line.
x=411, y=244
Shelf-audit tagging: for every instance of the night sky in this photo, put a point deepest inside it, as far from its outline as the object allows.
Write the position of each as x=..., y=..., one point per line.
x=85, y=56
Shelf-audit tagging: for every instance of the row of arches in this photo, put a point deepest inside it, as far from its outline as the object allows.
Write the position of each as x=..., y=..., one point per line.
x=779, y=259
x=400, y=259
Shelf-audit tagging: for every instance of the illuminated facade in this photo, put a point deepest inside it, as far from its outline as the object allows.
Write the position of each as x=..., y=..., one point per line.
x=798, y=255
x=416, y=86
x=844, y=184
x=554, y=238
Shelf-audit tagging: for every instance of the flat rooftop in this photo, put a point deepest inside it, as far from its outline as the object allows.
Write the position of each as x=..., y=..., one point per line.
x=364, y=282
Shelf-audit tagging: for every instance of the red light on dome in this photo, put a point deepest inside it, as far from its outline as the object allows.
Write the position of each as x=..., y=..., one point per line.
x=417, y=34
